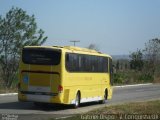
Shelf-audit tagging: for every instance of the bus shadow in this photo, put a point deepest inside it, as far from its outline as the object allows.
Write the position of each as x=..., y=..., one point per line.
x=48, y=107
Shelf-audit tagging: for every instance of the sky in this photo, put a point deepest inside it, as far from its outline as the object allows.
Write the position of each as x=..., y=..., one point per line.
x=116, y=27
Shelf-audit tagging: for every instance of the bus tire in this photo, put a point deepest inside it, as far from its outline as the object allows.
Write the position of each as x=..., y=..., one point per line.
x=105, y=97
x=77, y=100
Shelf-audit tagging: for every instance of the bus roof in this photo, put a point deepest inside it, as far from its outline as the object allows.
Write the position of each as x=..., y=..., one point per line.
x=73, y=49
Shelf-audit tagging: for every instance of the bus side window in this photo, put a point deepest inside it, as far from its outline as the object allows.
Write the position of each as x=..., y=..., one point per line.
x=69, y=62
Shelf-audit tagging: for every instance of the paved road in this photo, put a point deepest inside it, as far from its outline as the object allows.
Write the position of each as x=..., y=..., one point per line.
x=10, y=104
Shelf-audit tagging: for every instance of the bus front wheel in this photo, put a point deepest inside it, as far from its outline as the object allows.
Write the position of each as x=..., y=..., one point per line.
x=77, y=101
x=103, y=101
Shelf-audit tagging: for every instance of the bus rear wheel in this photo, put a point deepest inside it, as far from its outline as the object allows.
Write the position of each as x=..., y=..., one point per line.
x=77, y=101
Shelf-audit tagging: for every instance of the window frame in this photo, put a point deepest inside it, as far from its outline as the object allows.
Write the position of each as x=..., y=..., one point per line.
x=83, y=70
x=39, y=50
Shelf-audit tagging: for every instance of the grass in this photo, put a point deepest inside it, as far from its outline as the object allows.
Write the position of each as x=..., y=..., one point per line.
x=150, y=108
x=12, y=89
x=6, y=90
x=131, y=77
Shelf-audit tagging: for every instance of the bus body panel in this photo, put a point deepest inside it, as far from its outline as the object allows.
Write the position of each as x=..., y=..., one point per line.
x=93, y=91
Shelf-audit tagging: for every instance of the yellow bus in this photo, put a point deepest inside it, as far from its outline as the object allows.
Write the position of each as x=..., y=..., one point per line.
x=65, y=75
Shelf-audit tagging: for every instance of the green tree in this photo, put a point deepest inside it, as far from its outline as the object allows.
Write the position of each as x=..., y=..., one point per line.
x=152, y=56
x=17, y=29
x=117, y=65
x=136, y=61
x=126, y=66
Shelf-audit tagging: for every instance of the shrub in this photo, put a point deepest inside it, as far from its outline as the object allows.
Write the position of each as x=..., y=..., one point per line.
x=119, y=78
x=144, y=77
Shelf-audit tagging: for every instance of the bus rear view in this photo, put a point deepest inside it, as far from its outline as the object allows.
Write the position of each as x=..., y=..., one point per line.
x=39, y=78
x=64, y=75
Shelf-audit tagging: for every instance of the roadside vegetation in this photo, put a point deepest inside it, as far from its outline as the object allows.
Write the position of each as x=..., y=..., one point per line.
x=150, y=107
x=114, y=112
x=143, y=66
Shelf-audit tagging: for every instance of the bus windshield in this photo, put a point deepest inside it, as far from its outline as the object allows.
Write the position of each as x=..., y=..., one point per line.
x=41, y=56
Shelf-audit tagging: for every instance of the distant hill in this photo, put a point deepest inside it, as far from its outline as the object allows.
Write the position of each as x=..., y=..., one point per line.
x=117, y=57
